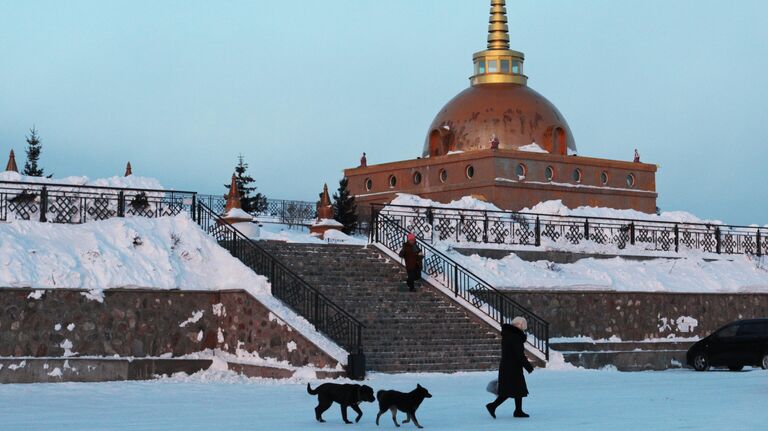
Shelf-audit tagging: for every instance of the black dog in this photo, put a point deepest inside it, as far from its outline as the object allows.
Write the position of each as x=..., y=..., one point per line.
x=346, y=395
x=407, y=403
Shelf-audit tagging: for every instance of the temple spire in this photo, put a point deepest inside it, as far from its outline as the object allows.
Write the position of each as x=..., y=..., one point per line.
x=498, y=31
x=11, y=166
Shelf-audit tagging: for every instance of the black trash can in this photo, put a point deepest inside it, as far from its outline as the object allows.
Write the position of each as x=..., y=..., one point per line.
x=356, y=366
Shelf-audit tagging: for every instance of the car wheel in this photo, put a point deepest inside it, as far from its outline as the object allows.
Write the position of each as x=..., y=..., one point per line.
x=700, y=362
x=764, y=362
x=736, y=367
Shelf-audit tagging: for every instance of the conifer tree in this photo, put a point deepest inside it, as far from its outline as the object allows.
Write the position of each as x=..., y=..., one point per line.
x=33, y=155
x=249, y=202
x=344, y=207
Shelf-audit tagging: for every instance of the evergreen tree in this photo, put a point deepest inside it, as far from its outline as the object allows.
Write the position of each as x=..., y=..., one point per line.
x=249, y=203
x=33, y=155
x=344, y=207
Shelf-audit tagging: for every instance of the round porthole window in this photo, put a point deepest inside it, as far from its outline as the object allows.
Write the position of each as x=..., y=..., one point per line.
x=392, y=181
x=521, y=170
x=443, y=175
x=577, y=175
x=631, y=180
x=417, y=177
x=368, y=184
x=604, y=177
x=549, y=173
x=470, y=171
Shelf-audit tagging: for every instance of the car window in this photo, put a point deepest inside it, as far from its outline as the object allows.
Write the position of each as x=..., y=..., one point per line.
x=729, y=331
x=755, y=328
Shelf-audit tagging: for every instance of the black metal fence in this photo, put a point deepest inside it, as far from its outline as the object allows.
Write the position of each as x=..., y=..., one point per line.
x=529, y=229
x=287, y=286
x=289, y=212
x=463, y=283
x=65, y=203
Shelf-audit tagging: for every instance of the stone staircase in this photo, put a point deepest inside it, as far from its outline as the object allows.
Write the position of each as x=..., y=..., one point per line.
x=422, y=331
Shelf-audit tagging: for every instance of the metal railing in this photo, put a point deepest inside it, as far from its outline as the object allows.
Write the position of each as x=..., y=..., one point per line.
x=462, y=282
x=74, y=204
x=529, y=229
x=289, y=212
x=287, y=286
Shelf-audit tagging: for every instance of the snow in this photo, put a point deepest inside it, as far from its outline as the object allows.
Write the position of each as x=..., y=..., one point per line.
x=572, y=400
x=300, y=234
x=690, y=274
x=174, y=254
x=132, y=181
x=327, y=222
x=532, y=148
x=237, y=213
x=552, y=207
x=196, y=316
x=71, y=327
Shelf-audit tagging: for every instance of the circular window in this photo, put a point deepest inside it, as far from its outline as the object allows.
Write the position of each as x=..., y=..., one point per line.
x=368, y=184
x=443, y=175
x=604, y=177
x=549, y=173
x=392, y=181
x=417, y=177
x=631, y=180
x=470, y=171
x=577, y=175
x=521, y=170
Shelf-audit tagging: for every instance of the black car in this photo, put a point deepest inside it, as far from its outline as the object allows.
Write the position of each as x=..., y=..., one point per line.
x=740, y=343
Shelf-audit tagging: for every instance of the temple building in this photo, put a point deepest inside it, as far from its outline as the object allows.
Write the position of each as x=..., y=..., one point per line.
x=504, y=142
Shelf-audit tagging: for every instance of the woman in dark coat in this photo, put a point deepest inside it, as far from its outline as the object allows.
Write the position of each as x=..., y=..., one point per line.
x=511, y=382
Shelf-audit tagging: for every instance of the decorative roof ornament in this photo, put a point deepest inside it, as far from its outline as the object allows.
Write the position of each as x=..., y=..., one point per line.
x=233, y=197
x=11, y=166
x=128, y=170
x=498, y=31
x=498, y=64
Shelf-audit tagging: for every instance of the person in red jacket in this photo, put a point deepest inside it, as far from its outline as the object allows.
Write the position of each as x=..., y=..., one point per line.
x=411, y=253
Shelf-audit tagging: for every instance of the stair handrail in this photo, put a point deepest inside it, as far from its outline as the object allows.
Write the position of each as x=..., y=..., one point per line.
x=463, y=283
x=327, y=316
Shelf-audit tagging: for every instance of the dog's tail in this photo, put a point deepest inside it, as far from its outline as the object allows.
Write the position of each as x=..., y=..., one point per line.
x=311, y=391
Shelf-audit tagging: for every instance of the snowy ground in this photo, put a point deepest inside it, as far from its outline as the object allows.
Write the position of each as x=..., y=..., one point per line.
x=574, y=400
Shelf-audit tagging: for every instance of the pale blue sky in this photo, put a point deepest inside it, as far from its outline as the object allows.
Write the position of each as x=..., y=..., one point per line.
x=301, y=88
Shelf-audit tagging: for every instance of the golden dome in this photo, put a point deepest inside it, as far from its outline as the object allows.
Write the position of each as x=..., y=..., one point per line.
x=498, y=104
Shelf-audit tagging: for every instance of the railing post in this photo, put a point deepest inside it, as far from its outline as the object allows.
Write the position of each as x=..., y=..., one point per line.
x=456, y=280
x=632, y=233
x=120, y=204
x=538, y=232
x=316, y=311
x=485, y=227
x=717, y=240
x=759, y=250
x=194, y=204
x=586, y=229
x=677, y=238
x=43, y=204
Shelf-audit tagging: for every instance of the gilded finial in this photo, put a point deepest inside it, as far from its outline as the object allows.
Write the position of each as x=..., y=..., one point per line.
x=498, y=31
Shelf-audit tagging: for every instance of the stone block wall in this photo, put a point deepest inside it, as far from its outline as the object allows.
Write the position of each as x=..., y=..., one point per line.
x=147, y=323
x=634, y=316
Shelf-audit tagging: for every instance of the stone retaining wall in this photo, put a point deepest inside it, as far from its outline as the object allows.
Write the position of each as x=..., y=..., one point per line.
x=141, y=323
x=639, y=315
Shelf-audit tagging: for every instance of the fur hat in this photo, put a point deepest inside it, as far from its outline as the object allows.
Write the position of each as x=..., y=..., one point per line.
x=520, y=323
x=411, y=236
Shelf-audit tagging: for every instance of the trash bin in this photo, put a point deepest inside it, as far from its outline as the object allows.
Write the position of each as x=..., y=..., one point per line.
x=356, y=366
